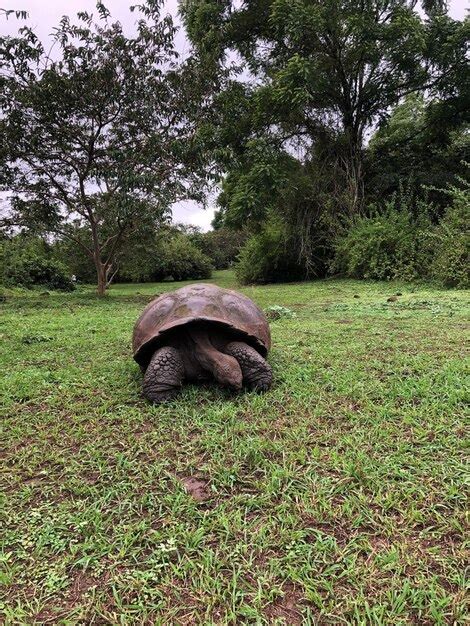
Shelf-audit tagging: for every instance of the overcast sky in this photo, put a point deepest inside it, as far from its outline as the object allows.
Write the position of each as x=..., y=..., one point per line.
x=45, y=14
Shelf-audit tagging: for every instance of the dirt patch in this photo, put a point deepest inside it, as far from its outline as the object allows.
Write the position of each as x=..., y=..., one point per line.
x=350, y=404
x=91, y=477
x=287, y=607
x=379, y=542
x=33, y=481
x=143, y=429
x=81, y=584
x=198, y=488
x=341, y=531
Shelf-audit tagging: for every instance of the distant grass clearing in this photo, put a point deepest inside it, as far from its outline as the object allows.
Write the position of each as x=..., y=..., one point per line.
x=337, y=497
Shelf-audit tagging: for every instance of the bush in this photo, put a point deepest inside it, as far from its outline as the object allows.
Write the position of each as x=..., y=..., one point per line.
x=27, y=262
x=269, y=257
x=393, y=245
x=277, y=312
x=75, y=258
x=222, y=246
x=451, y=260
x=404, y=243
x=179, y=259
x=137, y=261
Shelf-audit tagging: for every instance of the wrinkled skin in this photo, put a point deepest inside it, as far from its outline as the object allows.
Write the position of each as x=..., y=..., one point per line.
x=203, y=353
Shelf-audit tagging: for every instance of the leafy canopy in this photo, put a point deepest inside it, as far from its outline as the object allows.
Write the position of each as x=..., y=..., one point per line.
x=319, y=75
x=98, y=136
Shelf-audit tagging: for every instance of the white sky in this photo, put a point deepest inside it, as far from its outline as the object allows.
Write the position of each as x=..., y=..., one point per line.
x=45, y=14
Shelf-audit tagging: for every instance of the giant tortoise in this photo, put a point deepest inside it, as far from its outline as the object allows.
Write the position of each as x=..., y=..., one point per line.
x=198, y=333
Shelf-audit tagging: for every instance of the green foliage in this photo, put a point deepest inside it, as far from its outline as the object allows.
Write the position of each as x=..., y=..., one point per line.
x=269, y=257
x=180, y=259
x=28, y=262
x=221, y=246
x=404, y=242
x=267, y=184
x=326, y=73
x=75, y=258
x=137, y=260
x=181, y=251
x=277, y=312
x=98, y=138
x=292, y=142
x=168, y=253
x=451, y=260
x=172, y=252
x=385, y=246
x=422, y=142
x=254, y=183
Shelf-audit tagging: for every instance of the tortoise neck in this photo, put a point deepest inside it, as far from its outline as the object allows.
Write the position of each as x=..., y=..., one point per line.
x=223, y=367
x=204, y=351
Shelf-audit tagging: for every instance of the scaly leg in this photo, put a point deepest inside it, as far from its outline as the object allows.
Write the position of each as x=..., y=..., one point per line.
x=164, y=375
x=257, y=373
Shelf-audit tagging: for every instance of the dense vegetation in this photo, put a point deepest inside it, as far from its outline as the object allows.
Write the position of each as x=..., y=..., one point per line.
x=337, y=131
x=173, y=252
x=341, y=107
x=404, y=241
x=28, y=262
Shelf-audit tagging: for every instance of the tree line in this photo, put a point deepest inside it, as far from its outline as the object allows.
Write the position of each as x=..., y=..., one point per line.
x=336, y=131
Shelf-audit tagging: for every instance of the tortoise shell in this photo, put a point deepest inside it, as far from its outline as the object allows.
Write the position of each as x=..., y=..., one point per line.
x=199, y=303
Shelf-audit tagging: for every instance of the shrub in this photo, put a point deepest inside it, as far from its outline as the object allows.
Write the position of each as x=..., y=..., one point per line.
x=451, y=260
x=137, y=262
x=269, y=257
x=404, y=243
x=393, y=245
x=75, y=258
x=277, y=312
x=179, y=259
x=222, y=246
x=27, y=262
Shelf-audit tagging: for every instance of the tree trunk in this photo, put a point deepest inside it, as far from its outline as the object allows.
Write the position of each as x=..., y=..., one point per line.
x=101, y=269
x=353, y=161
x=354, y=173
x=355, y=180
x=102, y=279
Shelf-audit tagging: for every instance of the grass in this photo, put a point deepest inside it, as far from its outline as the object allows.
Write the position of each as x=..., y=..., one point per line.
x=336, y=498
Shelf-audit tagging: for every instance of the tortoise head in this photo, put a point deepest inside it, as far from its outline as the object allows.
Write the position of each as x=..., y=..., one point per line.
x=226, y=370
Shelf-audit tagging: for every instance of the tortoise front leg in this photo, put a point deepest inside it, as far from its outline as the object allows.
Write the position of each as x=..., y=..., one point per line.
x=164, y=375
x=257, y=373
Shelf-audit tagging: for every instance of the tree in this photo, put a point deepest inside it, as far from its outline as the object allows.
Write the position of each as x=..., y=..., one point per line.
x=324, y=71
x=221, y=245
x=419, y=147
x=98, y=139
x=28, y=261
x=168, y=253
x=425, y=141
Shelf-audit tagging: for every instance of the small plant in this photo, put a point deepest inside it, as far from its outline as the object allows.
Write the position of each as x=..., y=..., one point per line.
x=277, y=312
x=33, y=338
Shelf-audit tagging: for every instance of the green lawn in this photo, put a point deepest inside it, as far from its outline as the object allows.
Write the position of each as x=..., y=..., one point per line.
x=336, y=498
